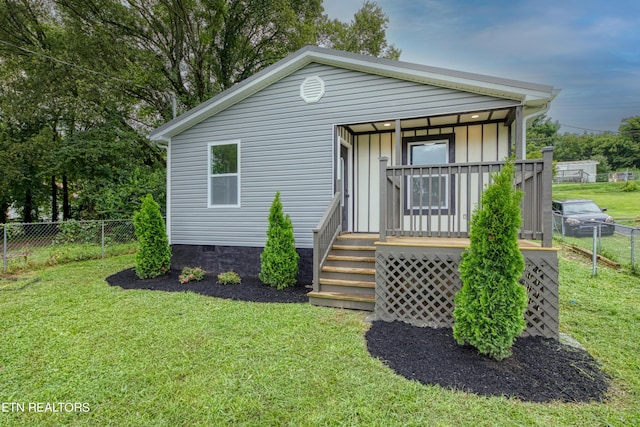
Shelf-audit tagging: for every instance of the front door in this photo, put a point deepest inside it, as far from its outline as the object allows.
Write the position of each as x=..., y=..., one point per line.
x=344, y=176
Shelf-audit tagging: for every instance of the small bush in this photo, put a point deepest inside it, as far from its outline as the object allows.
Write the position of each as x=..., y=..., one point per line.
x=629, y=186
x=489, y=309
x=72, y=231
x=279, y=260
x=191, y=273
x=154, y=255
x=229, y=278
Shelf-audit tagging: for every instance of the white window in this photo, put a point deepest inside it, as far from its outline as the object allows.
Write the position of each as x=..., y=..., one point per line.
x=428, y=191
x=224, y=174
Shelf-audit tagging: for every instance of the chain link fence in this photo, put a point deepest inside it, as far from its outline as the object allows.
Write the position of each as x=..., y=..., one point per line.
x=31, y=245
x=621, y=246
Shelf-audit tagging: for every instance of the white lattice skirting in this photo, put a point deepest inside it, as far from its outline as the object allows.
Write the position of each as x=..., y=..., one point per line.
x=417, y=285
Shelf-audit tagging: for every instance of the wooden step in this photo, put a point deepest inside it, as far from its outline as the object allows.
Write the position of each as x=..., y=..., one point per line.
x=349, y=270
x=342, y=296
x=348, y=283
x=350, y=258
x=353, y=248
x=342, y=300
x=358, y=236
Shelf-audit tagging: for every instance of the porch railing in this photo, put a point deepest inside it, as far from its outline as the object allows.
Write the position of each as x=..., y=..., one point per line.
x=324, y=235
x=439, y=200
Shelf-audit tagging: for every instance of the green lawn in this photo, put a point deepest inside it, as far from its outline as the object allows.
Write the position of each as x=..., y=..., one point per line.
x=148, y=358
x=622, y=206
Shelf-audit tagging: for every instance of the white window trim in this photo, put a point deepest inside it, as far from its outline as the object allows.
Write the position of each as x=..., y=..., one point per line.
x=210, y=175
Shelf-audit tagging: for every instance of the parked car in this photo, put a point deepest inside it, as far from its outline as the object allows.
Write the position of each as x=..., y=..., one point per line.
x=579, y=216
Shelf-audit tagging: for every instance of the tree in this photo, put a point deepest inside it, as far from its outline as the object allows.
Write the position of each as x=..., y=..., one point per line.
x=154, y=255
x=541, y=133
x=623, y=151
x=489, y=309
x=630, y=129
x=89, y=74
x=365, y=34
x=620, y=150
x=84, y=114
x=195, y=49
x=279, y=260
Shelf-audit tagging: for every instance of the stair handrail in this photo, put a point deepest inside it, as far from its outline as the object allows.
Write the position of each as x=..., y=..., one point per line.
x=324, y=235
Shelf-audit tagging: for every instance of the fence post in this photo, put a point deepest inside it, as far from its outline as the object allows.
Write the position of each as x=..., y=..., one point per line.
x=594, y=259
x=4, y=248
x=633, y=268
x=102, y=239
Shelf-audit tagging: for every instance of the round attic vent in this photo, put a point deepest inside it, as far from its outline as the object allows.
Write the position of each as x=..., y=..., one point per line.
x=312, y=89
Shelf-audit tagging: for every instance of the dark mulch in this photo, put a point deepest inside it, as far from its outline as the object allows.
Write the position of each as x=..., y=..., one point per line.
x=540, y=370
x=250, y=289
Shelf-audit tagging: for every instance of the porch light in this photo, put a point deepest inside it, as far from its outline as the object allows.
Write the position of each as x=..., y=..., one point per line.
x=387, y=125
x=475, y=116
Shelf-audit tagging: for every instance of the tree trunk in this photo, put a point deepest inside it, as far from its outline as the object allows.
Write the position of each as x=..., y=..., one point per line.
x=28, y=206
x=54, y=199
x=66, y=211
x=4, y=207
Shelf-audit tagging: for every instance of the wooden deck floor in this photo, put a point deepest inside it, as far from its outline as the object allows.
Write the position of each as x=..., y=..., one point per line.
x=436, y=242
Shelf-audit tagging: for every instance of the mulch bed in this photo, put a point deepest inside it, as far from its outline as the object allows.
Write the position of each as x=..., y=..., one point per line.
x=540, y=370
x=250, y=289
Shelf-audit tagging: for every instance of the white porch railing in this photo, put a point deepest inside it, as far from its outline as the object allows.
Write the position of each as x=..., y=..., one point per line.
x=439, y=200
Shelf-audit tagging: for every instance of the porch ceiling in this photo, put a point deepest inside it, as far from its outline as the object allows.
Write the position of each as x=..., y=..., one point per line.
x=430, y=121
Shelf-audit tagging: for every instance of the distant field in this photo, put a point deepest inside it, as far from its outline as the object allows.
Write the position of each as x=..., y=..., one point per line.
x=622, y=206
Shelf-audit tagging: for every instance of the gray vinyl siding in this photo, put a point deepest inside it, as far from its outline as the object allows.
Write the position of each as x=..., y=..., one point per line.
x=287, y=146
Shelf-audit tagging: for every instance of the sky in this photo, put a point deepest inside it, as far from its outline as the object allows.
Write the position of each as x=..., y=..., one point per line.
x=588, y=49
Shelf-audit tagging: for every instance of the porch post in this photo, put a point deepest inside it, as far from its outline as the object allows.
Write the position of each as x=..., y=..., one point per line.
x=383, y=198
x=547, y=213
x=519, y=134
x=398, y=143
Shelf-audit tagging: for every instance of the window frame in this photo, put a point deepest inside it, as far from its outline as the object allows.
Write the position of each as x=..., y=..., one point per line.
x=210, y=175
x=407, y=143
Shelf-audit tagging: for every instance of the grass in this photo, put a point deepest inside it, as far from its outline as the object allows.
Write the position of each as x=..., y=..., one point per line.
x=32, y=257
x=150, y=358
x=616, y=247
x=622, y=206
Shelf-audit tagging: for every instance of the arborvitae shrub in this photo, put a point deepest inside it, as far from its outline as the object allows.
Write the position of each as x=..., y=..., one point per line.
x=489, y=309
x=154, y=254
x=279, y=260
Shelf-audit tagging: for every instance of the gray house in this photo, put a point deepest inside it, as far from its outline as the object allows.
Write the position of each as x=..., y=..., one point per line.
x=379, y=163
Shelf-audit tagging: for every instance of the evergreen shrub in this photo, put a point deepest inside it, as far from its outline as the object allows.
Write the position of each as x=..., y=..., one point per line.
x=279, y=260
x=154, y=254
x=489, y=309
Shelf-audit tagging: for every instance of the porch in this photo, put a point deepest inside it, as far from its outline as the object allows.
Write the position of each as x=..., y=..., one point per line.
x=409, y=271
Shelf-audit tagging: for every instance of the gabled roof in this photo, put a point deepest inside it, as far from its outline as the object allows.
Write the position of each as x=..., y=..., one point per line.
x=530, y=94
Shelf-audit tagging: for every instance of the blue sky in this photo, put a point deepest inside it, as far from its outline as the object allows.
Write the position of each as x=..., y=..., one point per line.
x=588, y=49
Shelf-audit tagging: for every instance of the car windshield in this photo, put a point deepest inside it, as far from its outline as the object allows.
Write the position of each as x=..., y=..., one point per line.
x=583, y=207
